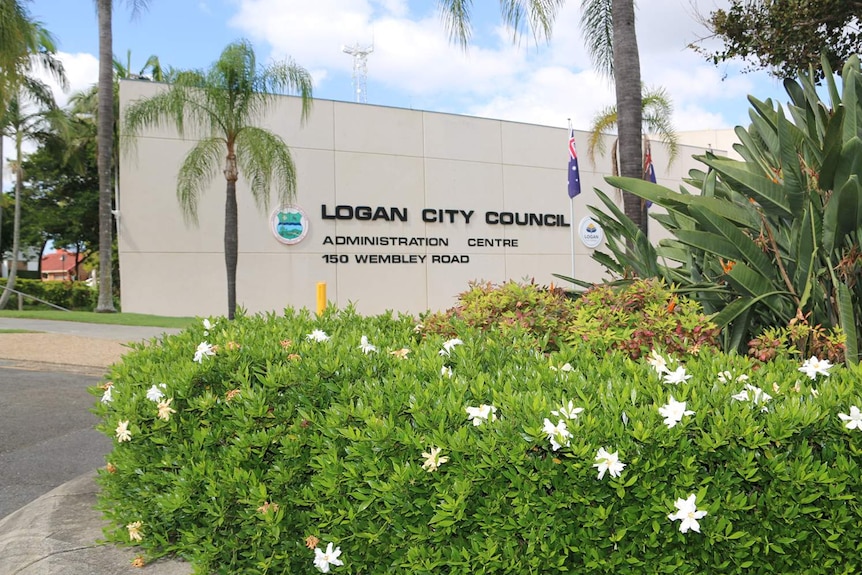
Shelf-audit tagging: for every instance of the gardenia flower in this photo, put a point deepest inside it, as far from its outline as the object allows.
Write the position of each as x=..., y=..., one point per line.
x=322, y=560
x=135, y=531
x=565, y=367
x=365, y=346
x=449, y=345
x=756, y=395
x=317, y=335
x=446, y=371
x=155, y=394
x=726, y=376
x=687, y=513
x=658, y=363
x=811, y=367
x=608, y=462
x=433, y=460
x=165, y=409
x=673, y=411
x=207, y=326
x=854, y=420
x=558, y=435
x=203, y=349
x=123, y=433
x=481, y=414
x=677, y=376
x=107, y=396
x=568, y=411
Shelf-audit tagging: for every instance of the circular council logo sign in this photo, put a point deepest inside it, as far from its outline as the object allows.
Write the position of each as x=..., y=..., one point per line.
x=289, y=224
x=591, y=233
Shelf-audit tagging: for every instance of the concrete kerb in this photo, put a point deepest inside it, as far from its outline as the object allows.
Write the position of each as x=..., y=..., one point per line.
x=59, y=533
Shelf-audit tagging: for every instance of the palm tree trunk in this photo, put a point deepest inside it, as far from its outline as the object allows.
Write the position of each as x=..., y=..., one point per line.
x=2, y=162
x=231, y=245
x=627, y=83
x=105, y=138
x=16, y=228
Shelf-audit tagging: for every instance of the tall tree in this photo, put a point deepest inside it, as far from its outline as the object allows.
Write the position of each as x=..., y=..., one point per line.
x=24, y=45
x=105, y=136
x=220, y=107
x=26, y=116
x=609, y=26
x=785, y=36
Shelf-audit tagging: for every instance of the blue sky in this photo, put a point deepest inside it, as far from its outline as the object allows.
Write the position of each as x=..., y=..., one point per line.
x=413, y=64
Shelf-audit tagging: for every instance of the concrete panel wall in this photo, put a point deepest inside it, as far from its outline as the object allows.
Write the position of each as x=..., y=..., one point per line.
x=404, y=208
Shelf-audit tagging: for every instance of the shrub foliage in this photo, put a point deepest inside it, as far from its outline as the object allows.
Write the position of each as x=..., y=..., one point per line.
x=293, y=433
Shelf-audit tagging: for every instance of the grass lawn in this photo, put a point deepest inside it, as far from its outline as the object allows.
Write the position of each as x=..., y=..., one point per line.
x=108, y=318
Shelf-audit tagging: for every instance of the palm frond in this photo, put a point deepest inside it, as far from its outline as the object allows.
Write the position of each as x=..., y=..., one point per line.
x=598, y=28
x=197, y=171
x=265, y=160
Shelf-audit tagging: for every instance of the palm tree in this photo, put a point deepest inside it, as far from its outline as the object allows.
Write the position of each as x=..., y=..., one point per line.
x=657, y=112
x=105, y=137
x=609, y=26
x=151, y=70
x=24, y=45
x=23, y=122
x=219, y=107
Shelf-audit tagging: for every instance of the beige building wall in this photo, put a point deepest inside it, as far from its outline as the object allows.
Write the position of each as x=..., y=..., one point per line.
x=452, y=176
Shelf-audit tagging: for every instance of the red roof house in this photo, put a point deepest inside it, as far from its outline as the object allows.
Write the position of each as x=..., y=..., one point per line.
x=61, y=266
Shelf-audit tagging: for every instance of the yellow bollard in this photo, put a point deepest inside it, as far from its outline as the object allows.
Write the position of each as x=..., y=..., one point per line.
x=321, y=297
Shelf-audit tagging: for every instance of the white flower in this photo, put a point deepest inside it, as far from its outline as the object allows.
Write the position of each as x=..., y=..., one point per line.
x=207, y=326
x=658, y=363
x=673, y=411
x=317, y=335
x=558, y=435
x=123, y=433
x=322, y=560
x=565, y=367
x=165, y=409
x=135, y=531
x=811, y=367
x=687, y=513
x=203, y=349
x=481, y=414
x=754, y=394
x=365, y=346
x=854, y=420
x=676, y=376
x=608, y=462
x=155, y=394
x=433, y=460
x=446, y=371
x=568, y=411
x=107, y=396
x=449, y=345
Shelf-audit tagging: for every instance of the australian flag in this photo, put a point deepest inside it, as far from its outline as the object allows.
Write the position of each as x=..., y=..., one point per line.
x=574, y=175
x=649, y=170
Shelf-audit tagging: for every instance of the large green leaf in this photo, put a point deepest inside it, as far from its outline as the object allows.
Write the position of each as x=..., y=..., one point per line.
x=768, y=192
x=711, y=243
x=848, y=323
x=747, y=250
x=751, y=283
x=843, y=214
x=832, y=147
x=791, y=171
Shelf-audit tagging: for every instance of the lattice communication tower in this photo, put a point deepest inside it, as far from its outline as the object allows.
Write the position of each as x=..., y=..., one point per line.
x=360, y=69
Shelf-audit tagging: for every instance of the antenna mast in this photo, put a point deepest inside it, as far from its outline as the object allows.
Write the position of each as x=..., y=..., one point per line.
x=360, y=69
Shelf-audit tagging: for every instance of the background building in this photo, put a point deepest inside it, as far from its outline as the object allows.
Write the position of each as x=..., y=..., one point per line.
x=397, y=210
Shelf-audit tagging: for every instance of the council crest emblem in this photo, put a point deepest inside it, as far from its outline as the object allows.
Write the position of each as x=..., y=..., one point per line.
x=289, y=224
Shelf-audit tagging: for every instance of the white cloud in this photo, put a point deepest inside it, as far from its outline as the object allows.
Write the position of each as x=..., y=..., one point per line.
x=544, y=83
x=82, y=71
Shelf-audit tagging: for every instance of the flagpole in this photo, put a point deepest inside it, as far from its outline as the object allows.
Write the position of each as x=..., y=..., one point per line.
x=572, y=216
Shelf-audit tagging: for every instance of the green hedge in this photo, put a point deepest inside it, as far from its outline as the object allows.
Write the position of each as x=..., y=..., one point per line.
x=70, y=295
x=275, y=443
